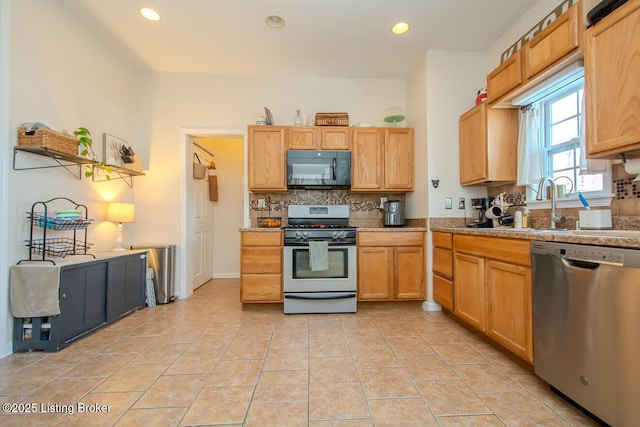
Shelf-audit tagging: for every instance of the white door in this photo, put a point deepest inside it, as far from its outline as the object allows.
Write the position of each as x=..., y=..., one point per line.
x=202, y=238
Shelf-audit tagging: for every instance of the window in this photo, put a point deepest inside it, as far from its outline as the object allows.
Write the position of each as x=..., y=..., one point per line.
x=561, y=129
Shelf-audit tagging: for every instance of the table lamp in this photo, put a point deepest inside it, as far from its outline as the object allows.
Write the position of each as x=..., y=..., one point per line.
x=120, y=212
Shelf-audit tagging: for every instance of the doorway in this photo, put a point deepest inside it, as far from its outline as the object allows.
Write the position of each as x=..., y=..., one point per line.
x=212, y=243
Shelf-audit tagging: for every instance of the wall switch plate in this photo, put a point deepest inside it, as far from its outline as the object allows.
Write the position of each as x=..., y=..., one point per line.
x=448, y=203
x=461, y=203
x=262, y=203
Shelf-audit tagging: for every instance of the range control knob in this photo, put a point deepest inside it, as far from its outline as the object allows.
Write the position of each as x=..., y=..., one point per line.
x=335, y=235
x=298, y=235
x=305, y=235
x=342, y=234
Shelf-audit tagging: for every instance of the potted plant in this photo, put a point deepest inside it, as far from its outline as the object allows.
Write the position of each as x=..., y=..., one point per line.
x=85, y=141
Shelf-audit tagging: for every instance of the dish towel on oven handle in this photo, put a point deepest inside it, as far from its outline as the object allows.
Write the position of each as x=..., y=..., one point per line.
x=318, y=255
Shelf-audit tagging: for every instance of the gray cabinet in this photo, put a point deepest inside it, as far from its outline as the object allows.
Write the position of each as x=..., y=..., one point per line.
x=82, y=299
x=124, y=290
x=92, y=294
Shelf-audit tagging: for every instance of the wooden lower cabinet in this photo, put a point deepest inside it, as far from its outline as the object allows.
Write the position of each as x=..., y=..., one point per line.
x=492, y=290
x=390, y=266
x=261, y=267
x=442, y=256
x=508, y=289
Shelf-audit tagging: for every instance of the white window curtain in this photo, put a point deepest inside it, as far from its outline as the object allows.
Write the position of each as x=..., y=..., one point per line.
x=530, y=149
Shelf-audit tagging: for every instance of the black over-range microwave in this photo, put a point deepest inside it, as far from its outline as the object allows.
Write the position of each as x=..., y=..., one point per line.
x=318, y=169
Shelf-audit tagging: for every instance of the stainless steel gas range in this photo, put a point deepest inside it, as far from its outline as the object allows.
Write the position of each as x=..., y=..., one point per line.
x=319, y=260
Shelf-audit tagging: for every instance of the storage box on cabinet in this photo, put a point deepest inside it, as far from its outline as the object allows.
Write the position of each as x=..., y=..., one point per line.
x=261, y=276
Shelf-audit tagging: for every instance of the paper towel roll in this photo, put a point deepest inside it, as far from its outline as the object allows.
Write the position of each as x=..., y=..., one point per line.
x=632, y=167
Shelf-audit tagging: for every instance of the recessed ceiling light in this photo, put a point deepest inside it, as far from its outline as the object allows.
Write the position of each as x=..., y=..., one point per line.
x=150, y=14
x=400, y=28
x=274, y=21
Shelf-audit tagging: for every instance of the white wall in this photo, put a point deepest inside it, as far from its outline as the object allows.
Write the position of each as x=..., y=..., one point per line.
x=65, y=76
x=182, y=101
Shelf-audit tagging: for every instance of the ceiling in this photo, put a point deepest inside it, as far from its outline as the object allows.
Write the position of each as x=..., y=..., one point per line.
x=321, y=38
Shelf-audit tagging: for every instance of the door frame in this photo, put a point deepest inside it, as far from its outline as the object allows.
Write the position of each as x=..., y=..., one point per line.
x=184, y=284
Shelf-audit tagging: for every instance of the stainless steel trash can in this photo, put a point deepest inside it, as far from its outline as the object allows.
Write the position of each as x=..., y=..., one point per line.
x=162, y=262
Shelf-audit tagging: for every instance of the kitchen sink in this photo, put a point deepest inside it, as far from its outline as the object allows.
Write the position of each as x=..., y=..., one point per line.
x=607, y=233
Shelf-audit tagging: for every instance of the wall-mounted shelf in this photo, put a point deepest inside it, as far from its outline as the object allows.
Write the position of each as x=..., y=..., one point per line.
x=99, y=174
x=72, y=164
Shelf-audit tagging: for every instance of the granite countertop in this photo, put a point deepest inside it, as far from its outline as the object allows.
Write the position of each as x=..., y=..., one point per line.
x=391, y=229
x=617, y=238
x=261, y=229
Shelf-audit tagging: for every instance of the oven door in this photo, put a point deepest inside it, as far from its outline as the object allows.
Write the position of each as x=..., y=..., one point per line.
x=340, y=276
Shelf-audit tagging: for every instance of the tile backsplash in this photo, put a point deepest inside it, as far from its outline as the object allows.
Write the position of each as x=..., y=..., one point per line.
x=364, y=208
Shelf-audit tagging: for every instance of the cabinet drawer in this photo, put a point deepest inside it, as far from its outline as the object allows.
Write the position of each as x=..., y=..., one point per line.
x=261, y=260
x=443, y=262
x=261, y=238
x=443, y=292
x=507, y=250
x=398, y=238
x=442, y=240
x=261, y=288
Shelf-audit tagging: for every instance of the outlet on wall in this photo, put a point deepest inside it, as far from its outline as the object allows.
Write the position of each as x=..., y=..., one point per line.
x=448, y=203
x=262, y=203
x=383, y=200
x=461, y=203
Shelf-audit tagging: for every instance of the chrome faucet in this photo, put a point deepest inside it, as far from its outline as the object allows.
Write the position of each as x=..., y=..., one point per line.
x=555, y=218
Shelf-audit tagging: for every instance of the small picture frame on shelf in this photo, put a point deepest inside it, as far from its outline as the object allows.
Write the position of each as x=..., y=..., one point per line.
x=118, y=152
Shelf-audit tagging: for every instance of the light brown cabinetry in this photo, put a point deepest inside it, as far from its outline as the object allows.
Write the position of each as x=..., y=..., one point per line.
x=556, y=41
x=266, y=158
x=382, y=159
x=488, y=145
x=261, y=267
x=612, y=85
x=492, y=289
x=391, y=266
x=319, y=138
x=549, y=51
x=442, y=253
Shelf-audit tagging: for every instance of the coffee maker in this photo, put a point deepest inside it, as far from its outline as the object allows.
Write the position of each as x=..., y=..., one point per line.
x=480, y=204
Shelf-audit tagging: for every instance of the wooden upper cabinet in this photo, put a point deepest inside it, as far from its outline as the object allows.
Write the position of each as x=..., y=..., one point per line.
x=612, y=83
x=398, y=159
x=552, y=44
x=505, y=78
x=488, y=145
x=319, y=138
x=303, y=138
x=266, y=158
x=367, y=159
x=335, y=138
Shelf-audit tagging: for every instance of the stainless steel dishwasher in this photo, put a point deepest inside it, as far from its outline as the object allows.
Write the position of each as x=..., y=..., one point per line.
x=586, y=326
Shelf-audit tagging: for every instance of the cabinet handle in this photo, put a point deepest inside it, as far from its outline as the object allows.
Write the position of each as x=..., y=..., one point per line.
x=64, y=295
x=143, y=256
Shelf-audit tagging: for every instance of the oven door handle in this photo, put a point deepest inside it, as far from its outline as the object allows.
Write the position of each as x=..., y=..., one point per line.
x=312, y=296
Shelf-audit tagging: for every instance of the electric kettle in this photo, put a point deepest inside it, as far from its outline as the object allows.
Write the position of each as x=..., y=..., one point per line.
x=393, y=213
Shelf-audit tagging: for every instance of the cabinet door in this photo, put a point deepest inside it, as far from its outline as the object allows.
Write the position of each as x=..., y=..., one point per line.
x=552, y=44
x=468, y=290
x=506, y=77
x=612, y=89
x=375, y=273
x=261, y=288
x=473, y=145
x=82, y=299
x=443, y=262
x=509, y=319
x=303, y=138
x=367, y=160
x=125, y=285
x=409, y=273
x=443, y=292
x=335, y=138
x=398, y=159
x=266, y=158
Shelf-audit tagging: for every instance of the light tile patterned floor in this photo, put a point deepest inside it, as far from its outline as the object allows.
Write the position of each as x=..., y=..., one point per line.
x=205, y=361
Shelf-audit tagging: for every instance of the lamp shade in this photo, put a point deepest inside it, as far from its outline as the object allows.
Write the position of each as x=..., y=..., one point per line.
x=121, y=212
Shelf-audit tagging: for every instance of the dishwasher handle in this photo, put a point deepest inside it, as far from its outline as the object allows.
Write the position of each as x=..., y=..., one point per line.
x=578, y=263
